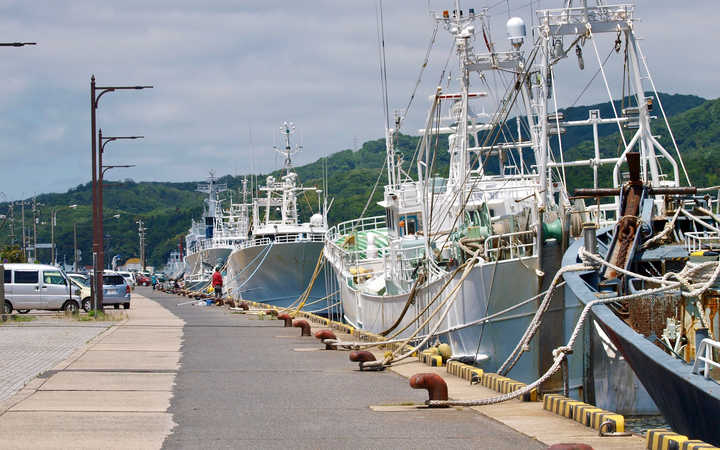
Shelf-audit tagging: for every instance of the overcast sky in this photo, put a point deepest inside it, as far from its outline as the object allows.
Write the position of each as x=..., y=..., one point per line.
x=226, y=70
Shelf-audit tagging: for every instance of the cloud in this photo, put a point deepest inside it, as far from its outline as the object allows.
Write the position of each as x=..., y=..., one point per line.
x=225, y=69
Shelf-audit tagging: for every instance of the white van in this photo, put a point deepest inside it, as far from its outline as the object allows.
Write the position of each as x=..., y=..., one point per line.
x=38, y=286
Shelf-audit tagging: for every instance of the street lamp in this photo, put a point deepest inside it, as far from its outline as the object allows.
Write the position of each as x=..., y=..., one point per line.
x=96, y=92
x=53, y=220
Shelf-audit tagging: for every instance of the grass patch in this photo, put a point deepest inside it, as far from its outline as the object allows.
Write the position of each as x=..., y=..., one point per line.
x=110, y=316
x=17, y=318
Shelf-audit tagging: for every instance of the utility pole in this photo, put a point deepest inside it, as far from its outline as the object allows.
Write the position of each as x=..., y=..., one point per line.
x=12, y=224
x=24, y=242
x=35, y=221
x=141, y=235
x=75, y=253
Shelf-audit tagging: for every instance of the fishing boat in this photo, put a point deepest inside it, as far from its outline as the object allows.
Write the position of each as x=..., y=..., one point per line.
x=451, y=252
x=210, y=241
x=281, y=260
x=651, y=291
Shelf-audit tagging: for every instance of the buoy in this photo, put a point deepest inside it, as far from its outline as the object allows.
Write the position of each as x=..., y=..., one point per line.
x=288, y=320
x=435, y=385
x=444, y=351
x=304, y=325
x=363, y=356
x=326, y=334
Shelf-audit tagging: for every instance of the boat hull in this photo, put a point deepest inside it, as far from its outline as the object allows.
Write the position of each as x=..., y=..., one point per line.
x=489, y=288
x=277, y=274
x=686, y=401
x=203, y=262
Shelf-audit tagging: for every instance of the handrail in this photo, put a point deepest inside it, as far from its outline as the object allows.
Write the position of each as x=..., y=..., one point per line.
x=513, y=248
x=706, y=346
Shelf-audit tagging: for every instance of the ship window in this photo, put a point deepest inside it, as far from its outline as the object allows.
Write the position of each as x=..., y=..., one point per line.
x=410, y=226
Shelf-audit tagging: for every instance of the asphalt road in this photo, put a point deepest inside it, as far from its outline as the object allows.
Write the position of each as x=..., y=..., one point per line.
x=243, y=384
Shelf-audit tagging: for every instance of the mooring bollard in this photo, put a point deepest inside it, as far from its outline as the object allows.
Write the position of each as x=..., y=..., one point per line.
x=363, y=356
x=326, y=334
x=244, y=306
x=303, y=325
x=288, y=320
x=435, y=385
x=271, y=312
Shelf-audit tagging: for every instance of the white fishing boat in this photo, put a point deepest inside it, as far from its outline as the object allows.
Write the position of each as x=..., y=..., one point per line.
x=210, y=241
x=281, y=258
x=470, y=245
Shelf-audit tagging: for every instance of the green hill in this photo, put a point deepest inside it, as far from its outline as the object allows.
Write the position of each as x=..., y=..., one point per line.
x=167, y=207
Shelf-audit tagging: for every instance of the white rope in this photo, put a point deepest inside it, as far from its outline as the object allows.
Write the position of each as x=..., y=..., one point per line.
x=559, y=354
x=534, y=325
x=267, y=252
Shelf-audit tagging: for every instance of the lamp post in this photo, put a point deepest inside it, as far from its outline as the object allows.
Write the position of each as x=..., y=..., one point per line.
x=53, y=219
x=96, y=92
x=100, y=251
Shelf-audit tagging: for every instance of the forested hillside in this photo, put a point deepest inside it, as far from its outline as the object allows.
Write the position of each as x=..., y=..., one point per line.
x=167, y=207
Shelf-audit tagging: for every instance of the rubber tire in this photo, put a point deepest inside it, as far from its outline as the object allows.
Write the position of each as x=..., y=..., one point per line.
x=71, y=306
x=87, y=304
x=126, y=305
x=7, y=307
x=116, y=305
x=23, y=311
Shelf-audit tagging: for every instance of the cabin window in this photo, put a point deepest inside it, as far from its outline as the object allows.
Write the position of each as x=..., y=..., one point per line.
x=26, y=277
x=53, y=277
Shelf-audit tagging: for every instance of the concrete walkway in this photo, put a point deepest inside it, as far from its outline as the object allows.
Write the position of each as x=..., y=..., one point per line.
x=114, y=393
x=247, y=383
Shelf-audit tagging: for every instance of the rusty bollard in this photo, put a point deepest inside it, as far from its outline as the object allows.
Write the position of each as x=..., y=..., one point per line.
x=271, y=312
x=230, y=302
x=435, y=385
x=303, y=325
x=361, y=357
x=244, y=306
x=326, y=334
x=288, y=320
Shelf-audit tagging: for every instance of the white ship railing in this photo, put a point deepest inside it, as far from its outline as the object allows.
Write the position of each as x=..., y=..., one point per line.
x=701, y=240
x=510, y=244
x=353, y=226
x=705, y=355
x=283, y=239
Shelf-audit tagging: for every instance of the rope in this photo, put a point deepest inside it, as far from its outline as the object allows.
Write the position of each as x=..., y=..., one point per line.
x=447, y=303
x=411, y=299
x=267, y=252
x=522, y=345
x=304, y=296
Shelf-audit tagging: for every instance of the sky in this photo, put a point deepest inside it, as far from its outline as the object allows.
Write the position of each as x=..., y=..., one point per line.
x=227, y=74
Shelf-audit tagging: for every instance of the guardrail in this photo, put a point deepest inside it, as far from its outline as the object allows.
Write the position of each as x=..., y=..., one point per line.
x=355, y=225
x=505, y=242
x=701, y=240
x=283, y=239
x=706, y=347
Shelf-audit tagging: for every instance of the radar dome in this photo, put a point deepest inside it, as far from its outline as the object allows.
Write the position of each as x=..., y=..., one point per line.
x=316, y=220
x=516, y=32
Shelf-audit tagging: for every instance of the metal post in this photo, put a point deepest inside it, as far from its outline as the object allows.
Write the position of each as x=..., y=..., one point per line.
x=93, y=106
x=35, y=220
x=53, y=213
x=75, y=249
x=2, y=290
x=94, y=294
x=100, y=215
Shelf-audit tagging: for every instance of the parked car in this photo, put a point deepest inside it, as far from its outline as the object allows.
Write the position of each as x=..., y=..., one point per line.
x=128, y=277
x=82, y=281
x=38, y=286
x=116, y=292
x=142, y=279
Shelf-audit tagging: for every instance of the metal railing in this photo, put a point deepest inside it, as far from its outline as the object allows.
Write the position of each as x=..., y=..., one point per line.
x=701, y=240
x=706, y=348
x=353, y=226
x=283, y=239
x=510, y=244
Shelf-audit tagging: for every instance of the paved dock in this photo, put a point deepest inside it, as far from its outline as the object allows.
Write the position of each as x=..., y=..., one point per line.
x=200, y=377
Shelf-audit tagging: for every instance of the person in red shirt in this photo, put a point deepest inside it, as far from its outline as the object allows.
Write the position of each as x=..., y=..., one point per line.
x=217, y=282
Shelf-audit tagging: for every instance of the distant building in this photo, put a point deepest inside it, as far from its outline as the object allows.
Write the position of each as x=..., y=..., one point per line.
x=131, y=265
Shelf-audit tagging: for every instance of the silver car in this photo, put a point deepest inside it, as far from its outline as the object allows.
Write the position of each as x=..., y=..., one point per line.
x=38, y=286
x=116, y=292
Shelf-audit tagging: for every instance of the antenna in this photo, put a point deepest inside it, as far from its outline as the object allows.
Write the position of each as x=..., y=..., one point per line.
x=286, y=130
